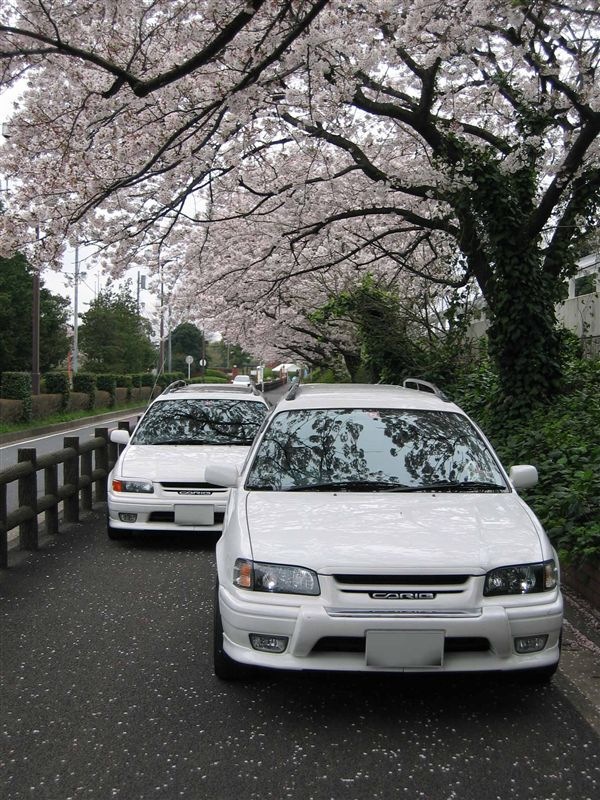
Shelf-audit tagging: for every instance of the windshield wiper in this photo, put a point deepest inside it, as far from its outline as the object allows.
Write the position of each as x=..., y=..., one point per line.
x=461, y=486
x=174, y=441
x=350, y=486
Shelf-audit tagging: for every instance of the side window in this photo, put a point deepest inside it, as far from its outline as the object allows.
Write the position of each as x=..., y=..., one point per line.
x=585, y=284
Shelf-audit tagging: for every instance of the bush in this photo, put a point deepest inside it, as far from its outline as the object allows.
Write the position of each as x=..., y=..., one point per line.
x=125, y=382
x=166, y=378
x=58, y=383
x=108, y=383
x=17, y=386
x=85, y=382
x=214, y=373
x=561, y=440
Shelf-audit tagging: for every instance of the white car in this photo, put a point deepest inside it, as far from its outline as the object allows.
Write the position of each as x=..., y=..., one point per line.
x=242, y=380
x=373, y=528
x=158, y=482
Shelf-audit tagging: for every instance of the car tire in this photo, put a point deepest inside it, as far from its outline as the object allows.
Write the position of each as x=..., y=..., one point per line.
x=538, y=676
x=114, y=533
x=225, y=668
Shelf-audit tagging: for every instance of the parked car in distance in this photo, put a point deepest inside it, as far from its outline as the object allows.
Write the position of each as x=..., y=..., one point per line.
x=373, y=528
x=242, y=380
x=158, y=482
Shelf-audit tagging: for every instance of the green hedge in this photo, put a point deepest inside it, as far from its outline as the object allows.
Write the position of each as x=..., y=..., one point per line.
x=108, y=383
x=58, y=383
x=126, y=382
x=17, y=386
x=85, y=382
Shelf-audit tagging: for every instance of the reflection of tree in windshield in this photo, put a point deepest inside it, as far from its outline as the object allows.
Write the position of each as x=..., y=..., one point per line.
x=383, y=446
x=200, y=421
x=437, y=446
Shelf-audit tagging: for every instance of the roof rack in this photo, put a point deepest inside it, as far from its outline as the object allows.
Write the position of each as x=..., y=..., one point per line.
x=425, y=386
x=213, y=387
x=293, y=390
x=172, y=386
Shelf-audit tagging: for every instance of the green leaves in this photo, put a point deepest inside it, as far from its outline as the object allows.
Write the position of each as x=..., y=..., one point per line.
x=561, y=440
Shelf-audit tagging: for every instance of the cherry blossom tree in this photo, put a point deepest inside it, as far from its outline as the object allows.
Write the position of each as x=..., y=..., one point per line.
x=273, y=152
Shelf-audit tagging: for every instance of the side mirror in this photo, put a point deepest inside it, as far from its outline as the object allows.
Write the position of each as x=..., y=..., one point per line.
x=119, y=436
x=523, y=476
x=222, y=475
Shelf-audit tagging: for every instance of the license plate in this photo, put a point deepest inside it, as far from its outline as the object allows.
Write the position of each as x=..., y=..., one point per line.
x=194, y=514
x=405, y=649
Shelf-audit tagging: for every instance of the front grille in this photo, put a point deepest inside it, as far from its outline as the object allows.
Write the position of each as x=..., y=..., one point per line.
x=184, y=485
x=402, y=580
x=169, y=516
x=356, y=644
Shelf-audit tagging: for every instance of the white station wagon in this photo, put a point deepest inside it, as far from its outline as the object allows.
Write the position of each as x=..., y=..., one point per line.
x=158, y=482
x=373, y=528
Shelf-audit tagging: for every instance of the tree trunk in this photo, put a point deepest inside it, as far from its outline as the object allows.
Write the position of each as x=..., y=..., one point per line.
x=524, y=341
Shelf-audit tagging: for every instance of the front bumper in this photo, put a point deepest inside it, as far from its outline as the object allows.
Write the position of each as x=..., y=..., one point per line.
x=326, y=638
x=157, y=514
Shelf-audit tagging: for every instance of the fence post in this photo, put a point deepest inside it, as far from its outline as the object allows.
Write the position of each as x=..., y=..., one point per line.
x=28, y=530
x=102, y=464
x=3, y=530
x=51, y=488
x=86, y=473
x=71, y=478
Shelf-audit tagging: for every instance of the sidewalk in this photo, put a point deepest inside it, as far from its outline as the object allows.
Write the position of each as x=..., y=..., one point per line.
x=579, y=673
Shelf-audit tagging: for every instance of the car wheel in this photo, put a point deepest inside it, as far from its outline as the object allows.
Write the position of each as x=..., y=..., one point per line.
x=539, y=675
x=114, y=533
x=225, y=667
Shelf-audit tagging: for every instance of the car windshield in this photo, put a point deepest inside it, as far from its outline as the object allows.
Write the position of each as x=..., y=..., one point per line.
x=373, y=450
x=201, y=421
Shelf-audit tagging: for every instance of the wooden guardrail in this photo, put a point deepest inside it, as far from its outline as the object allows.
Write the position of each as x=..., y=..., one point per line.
x=85, y=469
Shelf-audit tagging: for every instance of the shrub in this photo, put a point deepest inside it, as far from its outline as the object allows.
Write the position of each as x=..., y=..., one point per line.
x=561, y=441
x=107, y=383
x=58, y=383
x=17, y=386
x=85, y=382
x=166, y=378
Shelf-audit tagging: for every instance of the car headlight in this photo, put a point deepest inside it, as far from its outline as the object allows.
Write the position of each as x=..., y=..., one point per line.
x=279, y=578
x=521, y=579
x=136, y=486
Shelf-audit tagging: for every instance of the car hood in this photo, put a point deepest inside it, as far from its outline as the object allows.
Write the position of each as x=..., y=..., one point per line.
x=380, y=532
x=176, y=462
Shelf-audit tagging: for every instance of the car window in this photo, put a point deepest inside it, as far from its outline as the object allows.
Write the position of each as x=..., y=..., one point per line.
x=201, y=421
x=372, y=448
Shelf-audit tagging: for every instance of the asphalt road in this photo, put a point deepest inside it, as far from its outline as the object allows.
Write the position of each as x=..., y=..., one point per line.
x=108, y=692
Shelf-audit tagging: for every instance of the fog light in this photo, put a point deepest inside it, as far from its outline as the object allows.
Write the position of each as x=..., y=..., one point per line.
x=268, y=644
x=530, y=644
x=127, y=517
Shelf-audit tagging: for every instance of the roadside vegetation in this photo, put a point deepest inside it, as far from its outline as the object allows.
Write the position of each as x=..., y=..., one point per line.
x=559, y=438
x=65, y=416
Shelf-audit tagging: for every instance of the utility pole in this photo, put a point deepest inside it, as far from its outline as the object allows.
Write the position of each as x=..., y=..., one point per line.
x=170, y=348
x=161, y=355
x=76, y=314
x=35, y=328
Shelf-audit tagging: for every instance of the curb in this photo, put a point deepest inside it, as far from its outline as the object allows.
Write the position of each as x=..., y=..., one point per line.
x=9, y=438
